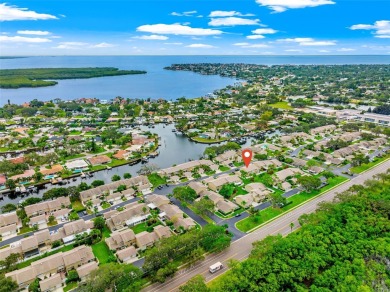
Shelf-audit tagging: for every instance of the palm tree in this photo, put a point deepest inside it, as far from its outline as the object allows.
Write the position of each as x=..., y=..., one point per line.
x=292, y=225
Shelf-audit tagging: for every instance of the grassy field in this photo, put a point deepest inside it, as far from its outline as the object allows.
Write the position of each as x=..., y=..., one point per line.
x=102, y=252
x=156, y=180
x=366, y=166
x=282, y=105
x=77, y=206
x=269, y=213
x=37, y=77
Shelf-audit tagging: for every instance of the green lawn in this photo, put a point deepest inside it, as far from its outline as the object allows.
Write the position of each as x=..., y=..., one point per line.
x=238, y=211
x=102, y=252
x=282, y=105
x=78, y=206
x=70, y=286
x=142, y=227
x=366, y=166
x=156, y=180
x=269, y=213
x=73, y=215
x=224, y=168
x=25, y=229
x=28, y=262
x=106, y=205
x=106, y=232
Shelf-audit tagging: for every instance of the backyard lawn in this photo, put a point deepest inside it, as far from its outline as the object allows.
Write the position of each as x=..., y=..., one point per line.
x=102, y=252
x=70, y=286
x=77, y=206
x=269, y=213
x=142, y=227
x=156, y=180
x=106, y=205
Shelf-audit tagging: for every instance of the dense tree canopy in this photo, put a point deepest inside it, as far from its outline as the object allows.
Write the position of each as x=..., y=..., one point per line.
x=344, y=246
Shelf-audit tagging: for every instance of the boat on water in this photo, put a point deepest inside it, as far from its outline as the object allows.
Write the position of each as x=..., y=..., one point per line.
x=109, y=167
x=90, y=174
x=144, y=160
x=174, y=130
x=17, y=190
x=23, y=189
x=74, y=179
x=83, y=175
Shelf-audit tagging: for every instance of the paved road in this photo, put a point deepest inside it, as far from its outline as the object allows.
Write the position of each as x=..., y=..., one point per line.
x=241, y=248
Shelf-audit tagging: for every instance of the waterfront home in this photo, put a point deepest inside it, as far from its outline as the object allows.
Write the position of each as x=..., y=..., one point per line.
x=26, y=175
x=76, y=164
x=133, y=214
x=52, y=170
x=188, y=166
x=3, y=180
x=227, y=157
x=127, y=254
x=55, y=264
x=98, y=160
x=46, y=207
x=120, y=240
x=122, y=154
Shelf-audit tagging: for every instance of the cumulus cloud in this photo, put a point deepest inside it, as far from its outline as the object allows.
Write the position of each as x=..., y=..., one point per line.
x=219, y=13
x=33, y=32
x=152, y=37
x=173, y=44
x=232, y=21
x=283, y=5
x=200, y=46
x=247, y=45
x=185, y=13
x=308, y=42
x=177, y=29
x=72, y=45
x=11, y=13
x=381, y=28
x=346, y=50
x=20, y=39
x=255, y=37
x=103, y=45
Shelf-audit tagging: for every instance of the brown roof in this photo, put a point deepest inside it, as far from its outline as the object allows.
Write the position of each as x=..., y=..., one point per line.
x=42, y=236
x=126, y=252
x=86, y=269
x=54, y=169
x=8, y=228
x=50, y=263
x=101, y=159
x=51, y=282
x=22, y=276
x=29, y=243
x=145, y=238
x=79, y=254
x=75, y=227
x=7, y=219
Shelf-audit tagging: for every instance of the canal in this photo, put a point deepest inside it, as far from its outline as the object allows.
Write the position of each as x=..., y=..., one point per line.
x=175, y=149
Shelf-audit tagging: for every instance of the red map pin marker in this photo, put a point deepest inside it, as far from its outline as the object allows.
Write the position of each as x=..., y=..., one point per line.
x=247, y=156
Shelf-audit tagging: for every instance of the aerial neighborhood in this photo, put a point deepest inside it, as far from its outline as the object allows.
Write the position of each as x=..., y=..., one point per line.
x=82, y=188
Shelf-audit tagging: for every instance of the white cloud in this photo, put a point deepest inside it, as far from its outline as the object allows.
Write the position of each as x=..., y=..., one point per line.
x=152, y=37
x=177, y=29
x=255, y=37
x=381, y=28
x=20, y=39
x=103, y=45
x=173, y=44
x=293, y=51
x=308, y=42
x=241, y=44
x=71, y=45
x=33, y=32
x=10, y=13
x=247, y=45
x=346, y=50
x=200, y=46
x=186, y=13
x=264, y=31
x=324, y=51
x=283, y=5
x=231, y=21
x=219, y=13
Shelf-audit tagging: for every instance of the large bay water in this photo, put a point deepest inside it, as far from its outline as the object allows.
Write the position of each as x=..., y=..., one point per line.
x=157, y=83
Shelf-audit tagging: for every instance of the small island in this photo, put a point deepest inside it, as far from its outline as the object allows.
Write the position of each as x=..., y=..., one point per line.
x=39, y=77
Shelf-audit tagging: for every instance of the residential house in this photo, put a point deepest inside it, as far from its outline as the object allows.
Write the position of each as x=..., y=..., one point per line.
x=145, y=239
x=323, y=129
x=156, y=200
x=51, y=284
x=120, y=240
x=100, y=159
x=217, y=184
x=282, y=175
x=133, y=214
x=46, y=207
x=127, y=254
x=198, y=187
x=221, y=204
x=84, y=270
x=79, y=164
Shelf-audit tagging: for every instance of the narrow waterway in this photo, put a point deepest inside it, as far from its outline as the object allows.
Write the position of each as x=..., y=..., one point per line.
x=175, y=149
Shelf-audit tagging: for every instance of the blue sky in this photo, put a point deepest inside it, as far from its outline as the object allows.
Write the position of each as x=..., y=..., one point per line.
x=194, y=27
